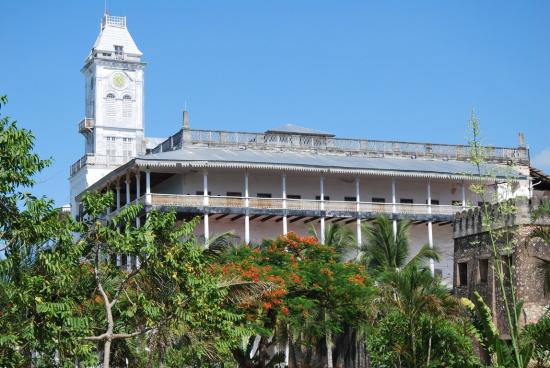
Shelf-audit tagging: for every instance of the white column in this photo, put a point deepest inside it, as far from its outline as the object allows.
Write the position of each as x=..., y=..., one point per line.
x=430, y=224
x=285, y=222
x=138, y=186
x=118, y=259
x=205, y=203
x=463, y=188
x=246, y=204
x=394, y=207
x=128, y=179
x=358, y=199
x=322, y=206
x=117, y=195
x=148, y=187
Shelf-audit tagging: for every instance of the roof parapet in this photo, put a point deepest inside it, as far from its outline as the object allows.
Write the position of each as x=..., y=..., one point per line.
x=334, y=145
x=114, y=21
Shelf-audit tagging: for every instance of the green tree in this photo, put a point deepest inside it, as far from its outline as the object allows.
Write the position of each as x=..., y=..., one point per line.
x=34, y=299
x=314, y=296
x=384, y=251
x=420, y=300
x=171, y=283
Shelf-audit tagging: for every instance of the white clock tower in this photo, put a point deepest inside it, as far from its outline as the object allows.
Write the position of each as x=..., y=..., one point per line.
x=113, y=122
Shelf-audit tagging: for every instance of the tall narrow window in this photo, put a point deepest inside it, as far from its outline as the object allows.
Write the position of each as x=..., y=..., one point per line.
x=110, y=106
x=111, y=150
x=462, y=273
x=127, y=147
x=127, y=106
x=483, y=267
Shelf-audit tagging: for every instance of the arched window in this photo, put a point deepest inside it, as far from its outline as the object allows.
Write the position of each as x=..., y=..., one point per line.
x=110, y=105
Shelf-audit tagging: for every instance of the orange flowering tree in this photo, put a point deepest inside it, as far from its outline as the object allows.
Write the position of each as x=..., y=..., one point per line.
x=313, y=295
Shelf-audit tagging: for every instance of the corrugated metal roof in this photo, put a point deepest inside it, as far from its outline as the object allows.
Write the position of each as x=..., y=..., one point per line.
x=296, y=129
x=313, y=160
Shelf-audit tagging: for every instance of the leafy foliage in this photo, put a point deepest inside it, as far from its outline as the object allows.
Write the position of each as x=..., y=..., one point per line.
x=450, y=344
x=385, y=252
x=313, y=293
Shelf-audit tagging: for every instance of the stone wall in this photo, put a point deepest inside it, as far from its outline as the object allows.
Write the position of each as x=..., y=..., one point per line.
x=474, y=260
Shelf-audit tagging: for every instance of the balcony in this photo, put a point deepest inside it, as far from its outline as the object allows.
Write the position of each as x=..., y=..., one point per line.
x=86, y=126
x=301, y=207
x=99, y=160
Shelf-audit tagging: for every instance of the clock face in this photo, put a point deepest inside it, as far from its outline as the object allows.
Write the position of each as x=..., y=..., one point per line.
x=119, y=80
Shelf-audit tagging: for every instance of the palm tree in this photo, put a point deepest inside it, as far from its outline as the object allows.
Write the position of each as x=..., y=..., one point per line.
x=414, y=292
x=340, y=238
x=385, y=251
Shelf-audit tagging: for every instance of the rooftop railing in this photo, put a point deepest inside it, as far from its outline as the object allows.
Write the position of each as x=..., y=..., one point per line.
x=114, y=21
x=89, y=159
x=370, y=148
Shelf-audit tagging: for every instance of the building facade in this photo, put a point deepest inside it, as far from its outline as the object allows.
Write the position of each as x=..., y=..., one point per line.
x=262, y=184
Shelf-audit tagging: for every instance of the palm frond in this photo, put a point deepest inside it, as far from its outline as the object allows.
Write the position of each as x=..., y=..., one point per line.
x=425, y=253
x=241, y=291
x=340, y=237
x=382, y=249
x=218, y=244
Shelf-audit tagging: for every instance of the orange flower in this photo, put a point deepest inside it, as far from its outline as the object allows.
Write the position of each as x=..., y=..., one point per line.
x=284, y=310
x=357, y=280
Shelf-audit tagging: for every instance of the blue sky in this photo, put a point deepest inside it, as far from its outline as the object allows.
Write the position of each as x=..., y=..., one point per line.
x=397, y=70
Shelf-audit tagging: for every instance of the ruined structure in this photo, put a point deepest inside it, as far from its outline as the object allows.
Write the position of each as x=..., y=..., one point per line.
x=512, y=224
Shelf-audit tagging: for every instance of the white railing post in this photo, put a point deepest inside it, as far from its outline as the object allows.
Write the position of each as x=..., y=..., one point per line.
x=463, y=189
x=430, y=224
x=138, y=186
x=285, y=223
x=128, y=180
x=246, y=204
x=205, y=203
x=322, y=207
x=358, y=200
x=394, y=207
x=117, y=195
x=148, y=188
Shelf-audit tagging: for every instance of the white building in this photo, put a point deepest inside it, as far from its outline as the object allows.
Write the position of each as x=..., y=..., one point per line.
x=260, y=185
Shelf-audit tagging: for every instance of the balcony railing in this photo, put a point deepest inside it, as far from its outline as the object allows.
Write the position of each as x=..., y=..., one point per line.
x=371, y=148
x=178, y=200
x=101, y=160
x=86, y=125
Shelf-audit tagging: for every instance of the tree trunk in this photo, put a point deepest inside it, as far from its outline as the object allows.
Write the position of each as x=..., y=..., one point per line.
x=429, y=345
x=328, y=343
x=106, y=353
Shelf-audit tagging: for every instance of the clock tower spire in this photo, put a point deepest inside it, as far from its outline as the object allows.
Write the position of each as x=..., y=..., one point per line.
x=113, y=119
